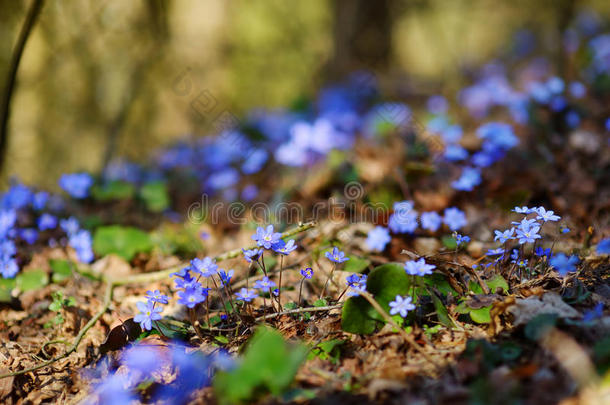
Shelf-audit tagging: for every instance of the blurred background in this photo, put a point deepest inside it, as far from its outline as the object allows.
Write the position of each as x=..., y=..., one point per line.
x=105, y=78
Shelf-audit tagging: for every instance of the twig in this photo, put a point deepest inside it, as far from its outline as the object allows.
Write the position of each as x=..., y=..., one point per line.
x=367, y=296
x=299, y=310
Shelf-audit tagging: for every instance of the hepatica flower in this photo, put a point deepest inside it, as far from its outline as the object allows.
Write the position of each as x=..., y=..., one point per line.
x=469, y=179
x=70, y=226
x=192, y=296
x=76, y=184
x=336, y=256
x=82, y=244
x=404, y=218
x=264, y=284
x=206, y=267
x=418, y=268
x=307, y=273
x=156, y=296
x=246, y=295
x=148, y=313
x=545, y=215
x=523, y=210
x=252, y=254
x=266, y=237
x=461, y=239
x=401, y=306
x=603, y=247
x=225, y=277
x=502, y=237
x=430, y=221
x=356, y=284
x=454, y=218
x=284, y=248
x=564, y=264
x=527, y=233
x=8, y=267
x=378, y=238
x=46, y=221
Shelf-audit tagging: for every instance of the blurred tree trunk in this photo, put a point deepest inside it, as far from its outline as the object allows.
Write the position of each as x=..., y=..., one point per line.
x=362, y=36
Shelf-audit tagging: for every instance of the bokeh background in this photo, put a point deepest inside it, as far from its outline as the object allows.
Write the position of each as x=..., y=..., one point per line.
x=107, y=78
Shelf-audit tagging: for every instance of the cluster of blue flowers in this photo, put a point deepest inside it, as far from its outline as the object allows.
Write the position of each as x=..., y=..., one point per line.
x=21, y=208
x=404, y=219
x=144, y=363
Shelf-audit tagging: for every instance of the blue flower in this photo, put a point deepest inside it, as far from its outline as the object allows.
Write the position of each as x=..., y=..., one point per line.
x=206, y=267
x=502, y=237
x=545, y=215
x=264, y=284
x=461, y=239
x=8, y=267
x=523, y=210
x=495, y=252
x=266, y=237
x=156, y=296
x=8, y=219
x=540, y=252
x=192, y=296
x=81, y=243
x=225, y=277
x=455, y=153
x=76, y=184
x=499, y=134
x=252, y=254
x=7, y=248
x=356, y=284
x=148, y=313
x=284, y=248
x=469, y=179
x=527, y=233
x=378, y=238
x=454, y=218
x=336, y=256
x=404, y=218
x=70, y=226
x=418, y=268
x=401, y=306
x=596, y=313
x=603, y=247
x=564, y=264
x=39, y=200
x=47, y=221
x=246, y=295
x=430, y=221
x=29, y=235
x=112, y=391
x=307, y=273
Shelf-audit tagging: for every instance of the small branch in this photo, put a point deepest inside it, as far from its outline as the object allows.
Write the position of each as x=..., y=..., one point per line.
x=298, y=311
x=367, y=296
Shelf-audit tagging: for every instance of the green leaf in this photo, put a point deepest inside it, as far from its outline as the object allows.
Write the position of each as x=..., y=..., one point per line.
x=155, y=196
x=495, y=282
x=122, y=241
x=440, y=283
x=62, y=270
x=481, y=315
x=6, y=286
x=539, y=326
x=269, y=365
x=449, y=242
x=441, y=311
x=112, y=190
x=384, y=283
x=356, y=264
x=31, y=280
x=320, y=303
